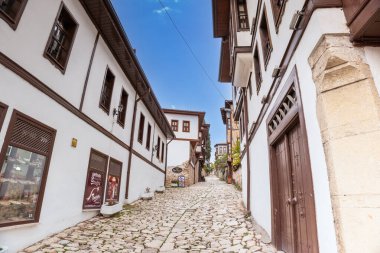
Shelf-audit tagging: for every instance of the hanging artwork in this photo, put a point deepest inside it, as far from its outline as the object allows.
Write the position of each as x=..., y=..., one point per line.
x=94, y=189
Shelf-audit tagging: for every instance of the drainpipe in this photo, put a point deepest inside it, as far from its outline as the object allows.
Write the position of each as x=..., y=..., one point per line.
x=132, y=140
x=247, y=150
x=166, y=158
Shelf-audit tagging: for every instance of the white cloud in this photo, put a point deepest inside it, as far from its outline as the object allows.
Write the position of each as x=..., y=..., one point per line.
x=162, y=10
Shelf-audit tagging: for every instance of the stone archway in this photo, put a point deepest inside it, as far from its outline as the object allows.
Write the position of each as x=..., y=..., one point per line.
x=348, y=111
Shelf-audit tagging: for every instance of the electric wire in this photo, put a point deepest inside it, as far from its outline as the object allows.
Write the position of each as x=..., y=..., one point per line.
x=191, y=50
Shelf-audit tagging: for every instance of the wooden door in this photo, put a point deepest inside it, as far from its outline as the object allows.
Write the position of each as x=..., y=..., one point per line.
x=286, y=213
x=296, y=219
x=294, y=228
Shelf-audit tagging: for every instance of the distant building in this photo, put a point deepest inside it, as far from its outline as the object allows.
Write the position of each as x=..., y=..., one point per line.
x=306, y=82
x=232, y=138
x=186, y=152
x=78, y=118
x=220, y=150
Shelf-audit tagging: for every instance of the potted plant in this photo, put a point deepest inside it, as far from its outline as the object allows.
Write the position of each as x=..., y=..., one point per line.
x=160, y=189
x=174, y=183
x=147, y=195
x=3, y=249
x=110, y=208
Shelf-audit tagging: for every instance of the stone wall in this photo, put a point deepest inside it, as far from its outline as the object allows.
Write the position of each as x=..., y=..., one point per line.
x=236, y=176
x=348, y=109
x=187, y=172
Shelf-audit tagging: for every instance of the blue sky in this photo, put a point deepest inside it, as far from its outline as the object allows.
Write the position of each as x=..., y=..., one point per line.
x=178, y=81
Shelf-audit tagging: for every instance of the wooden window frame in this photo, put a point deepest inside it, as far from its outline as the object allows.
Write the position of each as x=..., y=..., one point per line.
x=238, y=23
x=61, y=67
x=278, y=7
x=105, y=173
x=13, y=22
x=106, y=108
x=148, y=137
x=257, y=68
x=242, y=122
x=140, y=133
x=7, y=141
x=174, y=127
x=158, y=147
x=266, y=41
x=3, y=113
x=162, y=151
x=250, y=85
x=184, y=128
x=121, y=116
x=108, y=174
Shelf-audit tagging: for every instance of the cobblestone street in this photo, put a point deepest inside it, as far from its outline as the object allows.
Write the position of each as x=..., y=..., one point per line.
x=206, y=217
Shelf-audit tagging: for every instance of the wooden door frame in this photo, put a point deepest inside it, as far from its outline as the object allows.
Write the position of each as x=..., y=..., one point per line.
x=295, y=115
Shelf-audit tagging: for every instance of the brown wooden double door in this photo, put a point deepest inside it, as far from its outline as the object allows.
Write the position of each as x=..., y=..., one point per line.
x=292, y=193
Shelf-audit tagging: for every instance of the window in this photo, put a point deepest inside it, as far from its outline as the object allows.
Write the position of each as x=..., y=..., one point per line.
x=11, y=11
x=61, y=39
x=158, y=147
x=96, y=175
x=3, y=112
x=24, y=167
x=250, y=85
x=265, y=38
x=186, y=126
x=242, y=123
x=162, y=151
x=257, y=67
x=123, y=105
x=174, y=124
x=106, y=94
x=278, y=7
x=228, y=119
x=148, y=137
x=113, y=181
x=140, y=135
x=243, y=23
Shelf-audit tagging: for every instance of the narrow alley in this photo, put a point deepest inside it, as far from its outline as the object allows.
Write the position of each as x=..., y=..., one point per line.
x=206, y=217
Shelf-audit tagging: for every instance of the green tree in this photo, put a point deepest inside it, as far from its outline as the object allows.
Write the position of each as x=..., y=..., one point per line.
x=236, y=155
x=208, y=148
x=221, y=162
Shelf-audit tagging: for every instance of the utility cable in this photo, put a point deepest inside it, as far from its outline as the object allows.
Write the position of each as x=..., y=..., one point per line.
x=191, y=50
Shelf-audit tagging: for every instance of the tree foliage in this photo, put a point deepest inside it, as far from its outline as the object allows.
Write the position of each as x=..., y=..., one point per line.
x=208, y=148
x=221, y=162
x=236, y=155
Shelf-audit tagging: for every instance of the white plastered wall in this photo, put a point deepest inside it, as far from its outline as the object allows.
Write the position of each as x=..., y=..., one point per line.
x=178, y=152
x=323, y=21
x=373, y=55
x=62, y=203
x=34, y=30
x=194, y=125
x=63, y=198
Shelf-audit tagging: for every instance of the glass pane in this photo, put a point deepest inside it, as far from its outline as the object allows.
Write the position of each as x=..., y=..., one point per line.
x=113, y=188
x=98, y=162
x=10, y=7
x=20, y=182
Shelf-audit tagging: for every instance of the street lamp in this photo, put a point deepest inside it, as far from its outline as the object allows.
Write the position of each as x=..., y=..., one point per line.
x=118, y=110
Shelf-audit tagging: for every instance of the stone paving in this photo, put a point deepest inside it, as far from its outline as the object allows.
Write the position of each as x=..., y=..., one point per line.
x=206, y=217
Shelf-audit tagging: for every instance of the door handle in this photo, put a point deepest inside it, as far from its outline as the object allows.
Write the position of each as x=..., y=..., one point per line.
x=292, y=201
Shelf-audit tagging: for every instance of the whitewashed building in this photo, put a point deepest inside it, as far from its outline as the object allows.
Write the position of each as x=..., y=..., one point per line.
x=306, y=80
x=186, y=152
x=79, y=123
